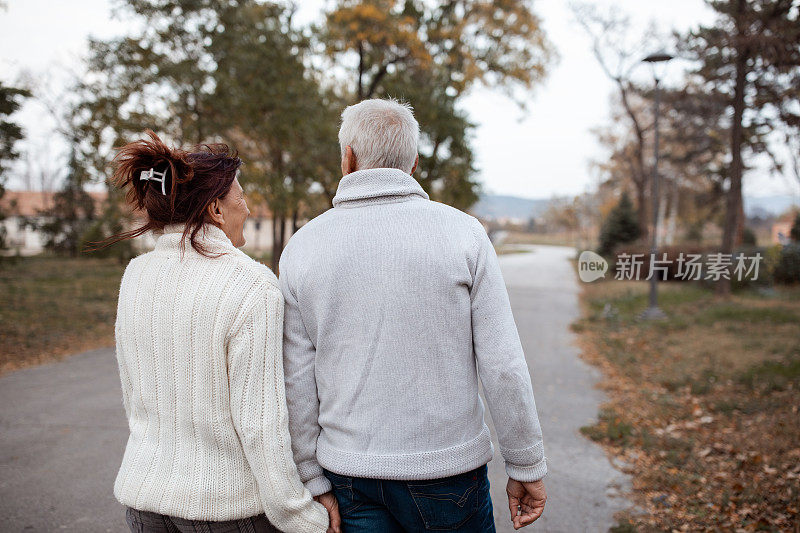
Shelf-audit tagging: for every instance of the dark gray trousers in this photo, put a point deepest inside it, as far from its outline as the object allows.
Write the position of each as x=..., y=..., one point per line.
x=147, y=522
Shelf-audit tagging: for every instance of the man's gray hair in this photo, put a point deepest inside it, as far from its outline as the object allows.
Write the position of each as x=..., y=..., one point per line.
x=382, y=134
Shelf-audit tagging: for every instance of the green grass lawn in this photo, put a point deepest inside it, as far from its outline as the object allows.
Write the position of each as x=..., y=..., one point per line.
x=703, y=406
x=51, y=307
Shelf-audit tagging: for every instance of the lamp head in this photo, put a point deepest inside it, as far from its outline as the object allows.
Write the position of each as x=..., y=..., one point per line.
x=658, y=61
x=658, y=57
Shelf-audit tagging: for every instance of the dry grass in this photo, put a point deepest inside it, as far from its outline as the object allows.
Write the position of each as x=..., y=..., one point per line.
x=704, y=405
x=557, y=239
x=507, y=249
x=52, y=307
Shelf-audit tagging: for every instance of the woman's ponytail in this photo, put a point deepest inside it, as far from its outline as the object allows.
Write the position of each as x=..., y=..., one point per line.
x=170, y=185
x=140, y=157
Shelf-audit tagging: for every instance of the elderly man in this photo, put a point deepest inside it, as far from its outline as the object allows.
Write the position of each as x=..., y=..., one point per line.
x=394, y=305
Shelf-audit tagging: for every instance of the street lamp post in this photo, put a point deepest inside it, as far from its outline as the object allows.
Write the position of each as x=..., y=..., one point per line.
x=653, y=311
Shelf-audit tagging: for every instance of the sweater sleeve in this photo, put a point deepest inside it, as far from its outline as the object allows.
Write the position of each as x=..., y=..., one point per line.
x=301, y=392
x=502, y=367
x=124, y=375
x=125, y=381
x=258, y=407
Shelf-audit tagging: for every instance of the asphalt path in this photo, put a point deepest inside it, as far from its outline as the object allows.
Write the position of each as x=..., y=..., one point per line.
x=63, y=431
x=583, y=488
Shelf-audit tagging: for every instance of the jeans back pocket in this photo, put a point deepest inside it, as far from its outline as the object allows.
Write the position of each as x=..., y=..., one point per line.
x=447, y=503
x=343, y=491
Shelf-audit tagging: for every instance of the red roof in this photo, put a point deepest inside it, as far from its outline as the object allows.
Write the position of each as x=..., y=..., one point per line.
x=31, y=203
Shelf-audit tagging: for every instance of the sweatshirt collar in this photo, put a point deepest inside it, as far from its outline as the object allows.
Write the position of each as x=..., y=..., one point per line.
x=376, y=185
x=211, y=237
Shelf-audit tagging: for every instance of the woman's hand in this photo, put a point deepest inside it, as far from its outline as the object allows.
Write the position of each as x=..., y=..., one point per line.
x=328, y=500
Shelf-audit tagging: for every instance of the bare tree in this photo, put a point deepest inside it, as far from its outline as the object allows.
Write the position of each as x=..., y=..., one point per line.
x=40, y=169
x=618, y=51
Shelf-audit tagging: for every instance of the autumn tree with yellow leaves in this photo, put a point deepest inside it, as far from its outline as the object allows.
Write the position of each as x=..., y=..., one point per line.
x=430, y=55
x=245, y=72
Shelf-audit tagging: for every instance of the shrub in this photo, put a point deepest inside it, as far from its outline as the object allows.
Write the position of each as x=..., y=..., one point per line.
x=787, y=267
x=794, y=234
x=748, y=237
x=620, y=227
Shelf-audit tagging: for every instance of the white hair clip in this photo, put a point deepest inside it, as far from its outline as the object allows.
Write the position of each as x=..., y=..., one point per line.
x=150, y=175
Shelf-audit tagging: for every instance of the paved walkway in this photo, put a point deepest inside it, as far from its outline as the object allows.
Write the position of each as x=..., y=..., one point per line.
x=62, y=427
x=581, y=483
x=62, y=433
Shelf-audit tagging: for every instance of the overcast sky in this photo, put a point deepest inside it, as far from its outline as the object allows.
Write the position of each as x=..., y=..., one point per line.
x=539, y=153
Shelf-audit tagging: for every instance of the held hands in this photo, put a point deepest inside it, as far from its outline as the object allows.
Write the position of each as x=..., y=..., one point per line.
x=328, y=500
x=528, y=498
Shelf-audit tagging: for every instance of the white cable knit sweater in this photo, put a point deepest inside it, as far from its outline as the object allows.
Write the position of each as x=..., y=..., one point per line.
x=199, y=346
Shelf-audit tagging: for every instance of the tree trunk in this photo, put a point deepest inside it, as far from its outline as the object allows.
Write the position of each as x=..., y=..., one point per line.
x=672, y=219
x=641, y=209
x=280, y=244
x=275, y=254
x=732, y=231
x=360, y=91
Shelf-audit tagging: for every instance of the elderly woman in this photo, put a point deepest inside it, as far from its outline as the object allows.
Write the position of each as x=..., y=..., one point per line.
x=199, y=345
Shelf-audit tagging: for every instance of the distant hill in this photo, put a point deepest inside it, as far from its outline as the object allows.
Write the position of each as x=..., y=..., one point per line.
x=765, y=206
x=498, y=205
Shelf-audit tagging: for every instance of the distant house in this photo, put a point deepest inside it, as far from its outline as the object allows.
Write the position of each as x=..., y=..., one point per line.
x=258, y=228
x=18, y=207
x=21, y=207
x=781, y=231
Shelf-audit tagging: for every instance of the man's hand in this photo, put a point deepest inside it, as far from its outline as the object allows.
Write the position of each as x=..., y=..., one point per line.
x=528, y=498
x=330, y=503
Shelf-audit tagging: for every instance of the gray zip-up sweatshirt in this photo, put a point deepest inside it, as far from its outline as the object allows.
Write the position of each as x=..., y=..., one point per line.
x=395, y=304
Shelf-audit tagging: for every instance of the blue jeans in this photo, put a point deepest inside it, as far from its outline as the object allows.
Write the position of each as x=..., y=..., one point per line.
x=456, y=503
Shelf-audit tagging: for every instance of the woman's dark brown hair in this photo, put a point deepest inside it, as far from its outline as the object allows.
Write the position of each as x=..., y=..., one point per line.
x=193, y=181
